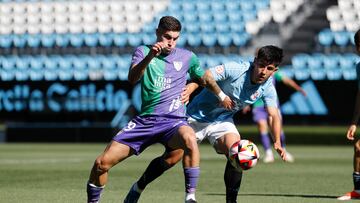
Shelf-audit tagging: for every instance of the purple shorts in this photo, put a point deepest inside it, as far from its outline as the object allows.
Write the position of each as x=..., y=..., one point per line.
x=143, y=131
x=259, y=113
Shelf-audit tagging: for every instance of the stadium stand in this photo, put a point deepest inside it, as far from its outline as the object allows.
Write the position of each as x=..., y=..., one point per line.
x=91, y=41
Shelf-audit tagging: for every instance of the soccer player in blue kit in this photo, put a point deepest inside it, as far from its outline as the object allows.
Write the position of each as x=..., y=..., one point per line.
x=355, y=194
x=162, y=70
x=245, y=83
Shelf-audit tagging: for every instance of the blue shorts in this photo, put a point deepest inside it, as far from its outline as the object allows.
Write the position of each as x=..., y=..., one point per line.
x=143, y=131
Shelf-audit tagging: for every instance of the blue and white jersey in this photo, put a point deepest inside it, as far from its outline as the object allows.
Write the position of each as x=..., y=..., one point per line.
x=234, y=78
x=358, y=73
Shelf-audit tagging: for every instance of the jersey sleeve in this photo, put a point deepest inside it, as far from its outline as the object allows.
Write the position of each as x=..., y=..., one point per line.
x=138, y=55
x=270, y=97
x=224, y=71
x=195, y=71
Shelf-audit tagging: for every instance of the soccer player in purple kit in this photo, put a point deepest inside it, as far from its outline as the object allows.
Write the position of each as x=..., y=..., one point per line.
x=162, y=70
x=244, y=82
x=355, y=194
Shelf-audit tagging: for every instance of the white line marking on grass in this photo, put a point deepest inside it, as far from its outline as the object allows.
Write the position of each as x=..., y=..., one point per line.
x=38, y=161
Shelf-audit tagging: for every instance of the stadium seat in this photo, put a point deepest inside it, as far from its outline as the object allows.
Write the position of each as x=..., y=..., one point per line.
x=193, y=40
x=341, y=38
x=208, y=39
x=325, y=37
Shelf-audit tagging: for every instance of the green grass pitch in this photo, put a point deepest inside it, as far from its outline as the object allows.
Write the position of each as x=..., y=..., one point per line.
x=44, y=173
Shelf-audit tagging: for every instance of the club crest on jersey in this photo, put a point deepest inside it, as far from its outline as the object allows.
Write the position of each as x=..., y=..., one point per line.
x=219, y=69
x=177, y=65
x=255, y=96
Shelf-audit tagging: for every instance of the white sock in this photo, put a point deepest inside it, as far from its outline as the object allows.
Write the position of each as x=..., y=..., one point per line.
x=189, y=196
x=136, y=188
x=268, y=152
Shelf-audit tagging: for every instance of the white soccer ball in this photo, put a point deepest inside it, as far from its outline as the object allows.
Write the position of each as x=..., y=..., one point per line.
x=244, y=155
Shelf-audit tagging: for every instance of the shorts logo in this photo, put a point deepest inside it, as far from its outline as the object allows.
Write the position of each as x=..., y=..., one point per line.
x=219, y=69
x=129, y=126
x=177, y=65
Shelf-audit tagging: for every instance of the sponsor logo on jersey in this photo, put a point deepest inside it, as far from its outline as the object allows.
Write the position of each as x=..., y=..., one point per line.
x=255, y=96
x=219, y=69
x=177, y=65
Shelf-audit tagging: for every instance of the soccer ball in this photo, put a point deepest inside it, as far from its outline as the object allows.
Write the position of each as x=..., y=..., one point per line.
x=244, y=154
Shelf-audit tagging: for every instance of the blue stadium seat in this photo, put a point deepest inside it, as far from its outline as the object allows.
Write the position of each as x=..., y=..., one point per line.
x=62, y=40
x=326, y=37
x=91, y=40
x=48, y=40
x=300, y=61
x=341, y=38
x=224, y=39
x=148, y=38
x=315, y=61
x=134, y=39
x=235, y=17
x=192, y=27
x=240, y=39
x=181, y=41
x=247, y=6
x=222, y=28
x=76, y=40
x=205, y=17
x=105, y=39
x=5, y=41
x=33, y=40
x=348, y=61
x=8, y=63
x=208, y=39
x=120, y=39
x=207, y=27
x=331, y=61
x=19, y=41
x=220, y=17
x=193, y=40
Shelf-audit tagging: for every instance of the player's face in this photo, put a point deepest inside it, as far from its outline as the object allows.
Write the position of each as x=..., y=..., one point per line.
x=168, y=38
x=262, y=72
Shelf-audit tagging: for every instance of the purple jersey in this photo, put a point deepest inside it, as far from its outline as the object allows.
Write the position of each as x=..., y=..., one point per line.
x=164, y=79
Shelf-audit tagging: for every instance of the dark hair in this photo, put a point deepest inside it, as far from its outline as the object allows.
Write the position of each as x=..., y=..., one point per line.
x=357, y=38
x=169, y=23
x=270, y=54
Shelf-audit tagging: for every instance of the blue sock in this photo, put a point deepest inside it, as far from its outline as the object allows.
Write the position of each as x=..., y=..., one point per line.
x=93, y=193
x=265, y=140
x=191, y=179
x=356, y=179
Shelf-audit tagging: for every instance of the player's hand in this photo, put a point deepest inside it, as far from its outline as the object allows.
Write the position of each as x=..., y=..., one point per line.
x=156, y=49
x=227, y=103
x=185, y=96
x=351, y=132
x=280, y=150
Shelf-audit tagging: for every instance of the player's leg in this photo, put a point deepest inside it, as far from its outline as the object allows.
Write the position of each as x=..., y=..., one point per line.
x=232, y=176
x=355, y=194
x=265, y=140
x=114, y=153
x=155, y=169
x=185, y=139
x=260, y=117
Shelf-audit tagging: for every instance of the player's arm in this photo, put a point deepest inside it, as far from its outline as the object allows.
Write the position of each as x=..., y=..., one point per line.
x=137, y=69
x=352, y=128
x=187, y=91
x=292, y=84
x=208, y=81
x=275, y=127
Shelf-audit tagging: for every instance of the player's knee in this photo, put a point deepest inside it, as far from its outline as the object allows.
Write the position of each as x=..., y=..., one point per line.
x=190, y=141
x=101, y=166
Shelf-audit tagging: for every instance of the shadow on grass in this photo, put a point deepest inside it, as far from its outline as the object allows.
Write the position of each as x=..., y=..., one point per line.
x=280, y=195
